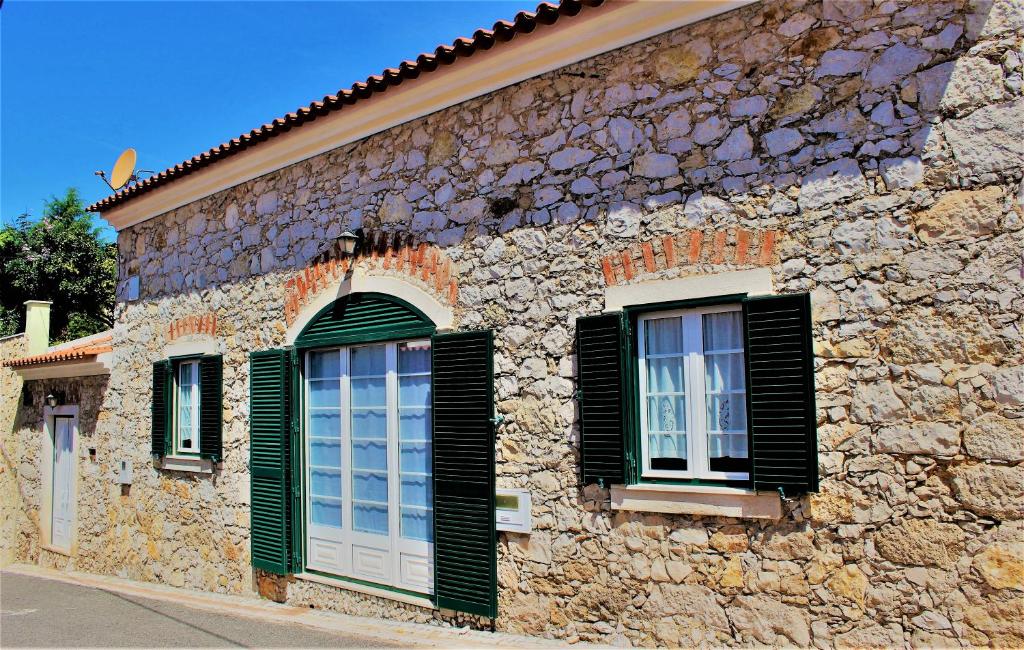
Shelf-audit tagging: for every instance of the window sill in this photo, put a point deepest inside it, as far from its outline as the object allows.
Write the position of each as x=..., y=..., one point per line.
x=419, y=601
x=56, y=549
x=187, y=464
x=703, y=500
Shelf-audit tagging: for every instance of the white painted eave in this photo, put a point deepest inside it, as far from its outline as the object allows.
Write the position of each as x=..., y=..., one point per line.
x=98, y=365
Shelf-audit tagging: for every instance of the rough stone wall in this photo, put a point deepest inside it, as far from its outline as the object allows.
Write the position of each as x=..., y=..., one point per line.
x=13, y=514
x=880, y=141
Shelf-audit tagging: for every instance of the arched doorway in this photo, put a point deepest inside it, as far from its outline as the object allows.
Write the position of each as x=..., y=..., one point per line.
x=366, y=433
x=372, y=452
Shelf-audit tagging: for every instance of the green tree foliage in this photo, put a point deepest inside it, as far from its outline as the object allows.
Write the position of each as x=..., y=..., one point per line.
x=61, y=258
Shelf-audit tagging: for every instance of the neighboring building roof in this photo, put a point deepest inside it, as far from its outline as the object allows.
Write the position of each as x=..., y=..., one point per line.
x=86, y=348
x=483, y=39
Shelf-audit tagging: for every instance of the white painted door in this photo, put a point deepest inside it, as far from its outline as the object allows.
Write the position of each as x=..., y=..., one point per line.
x=371, y=427
x=63, y=468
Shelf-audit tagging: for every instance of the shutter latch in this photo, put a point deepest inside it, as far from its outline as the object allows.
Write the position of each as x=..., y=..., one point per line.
x=497, y=419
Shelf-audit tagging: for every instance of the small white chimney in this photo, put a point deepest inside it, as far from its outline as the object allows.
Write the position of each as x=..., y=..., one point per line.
x=37, y=326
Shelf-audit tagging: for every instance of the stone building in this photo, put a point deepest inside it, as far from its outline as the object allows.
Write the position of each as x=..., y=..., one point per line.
x=50, y=401
x=639, y=323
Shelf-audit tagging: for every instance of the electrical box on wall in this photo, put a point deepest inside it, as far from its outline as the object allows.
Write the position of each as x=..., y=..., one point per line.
x=512, y=510
x=131, y=288
x=124, y=472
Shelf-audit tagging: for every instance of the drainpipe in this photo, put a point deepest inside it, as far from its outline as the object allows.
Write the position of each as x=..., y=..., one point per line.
x=37, y=326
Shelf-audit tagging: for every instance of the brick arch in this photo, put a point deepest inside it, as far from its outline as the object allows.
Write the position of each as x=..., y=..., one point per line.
x=736, y=246
x=418, y=273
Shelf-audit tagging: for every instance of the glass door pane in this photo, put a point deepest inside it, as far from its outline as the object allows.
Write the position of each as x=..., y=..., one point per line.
x=324, y=433
x=369, y=425
x=414, y=436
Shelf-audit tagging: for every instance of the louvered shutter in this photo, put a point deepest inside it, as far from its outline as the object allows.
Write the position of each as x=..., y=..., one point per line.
x=161, y=408
x=465, y=543
x=780, y=395
x=269, y=455
x=211, y=407
x=600, y=395
x=364, y=317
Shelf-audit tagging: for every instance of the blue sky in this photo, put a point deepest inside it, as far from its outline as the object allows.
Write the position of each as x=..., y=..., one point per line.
x=80, y=81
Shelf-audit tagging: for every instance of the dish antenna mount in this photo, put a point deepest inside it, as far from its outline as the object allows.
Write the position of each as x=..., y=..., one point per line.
x=124, y=172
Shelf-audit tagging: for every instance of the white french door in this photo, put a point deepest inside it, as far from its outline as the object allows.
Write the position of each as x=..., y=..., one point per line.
x=62, y=515
x=367, y=463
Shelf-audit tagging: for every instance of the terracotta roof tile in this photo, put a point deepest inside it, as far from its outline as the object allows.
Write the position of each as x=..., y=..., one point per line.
x=88, y=348
x=525, y=22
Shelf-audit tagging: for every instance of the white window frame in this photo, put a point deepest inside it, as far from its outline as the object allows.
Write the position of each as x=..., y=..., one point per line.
x=177, y=448
x=697, y=460
x=408, y=562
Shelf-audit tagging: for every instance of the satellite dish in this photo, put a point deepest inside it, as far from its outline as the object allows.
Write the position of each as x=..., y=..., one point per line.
x=123, y=169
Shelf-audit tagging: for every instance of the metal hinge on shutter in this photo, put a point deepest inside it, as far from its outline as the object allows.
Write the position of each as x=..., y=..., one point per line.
x=293, y=364
x=296, y=530
x=628, y=399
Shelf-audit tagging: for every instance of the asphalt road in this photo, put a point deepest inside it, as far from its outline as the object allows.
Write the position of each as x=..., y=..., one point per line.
x=35, y=612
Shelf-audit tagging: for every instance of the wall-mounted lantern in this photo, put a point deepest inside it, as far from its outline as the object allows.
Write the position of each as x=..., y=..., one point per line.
x=350, y=242
x=53, y=400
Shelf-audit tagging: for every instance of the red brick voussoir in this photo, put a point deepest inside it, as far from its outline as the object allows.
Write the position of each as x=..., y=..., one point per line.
x=734, y=246
x=420, y=263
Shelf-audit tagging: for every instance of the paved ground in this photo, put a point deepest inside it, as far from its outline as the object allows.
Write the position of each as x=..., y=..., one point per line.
x=42, y=607
x=37, y=612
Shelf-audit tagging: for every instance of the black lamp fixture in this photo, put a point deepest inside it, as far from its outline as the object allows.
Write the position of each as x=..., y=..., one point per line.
x=53, y=400
x=350, y=242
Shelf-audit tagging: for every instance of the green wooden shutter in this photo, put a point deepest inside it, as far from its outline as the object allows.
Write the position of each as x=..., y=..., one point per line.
x=161, y=408
x=599, y=345
x=211, y=408
x=465, y=543
x=780, y=395
x=269, y=455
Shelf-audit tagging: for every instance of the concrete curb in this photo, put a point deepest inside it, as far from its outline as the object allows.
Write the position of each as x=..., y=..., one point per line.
x=401, y=633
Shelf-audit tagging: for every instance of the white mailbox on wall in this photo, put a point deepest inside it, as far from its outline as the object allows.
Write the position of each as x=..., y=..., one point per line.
x=512, y=510
x=124, y=473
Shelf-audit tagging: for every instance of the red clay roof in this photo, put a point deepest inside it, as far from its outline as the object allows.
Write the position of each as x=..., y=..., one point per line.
x=483, y=39
x=89, y=348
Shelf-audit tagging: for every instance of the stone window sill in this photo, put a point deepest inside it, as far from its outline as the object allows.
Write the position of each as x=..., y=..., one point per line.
x=56, y=549
x=187, y=464
x=703, y=500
